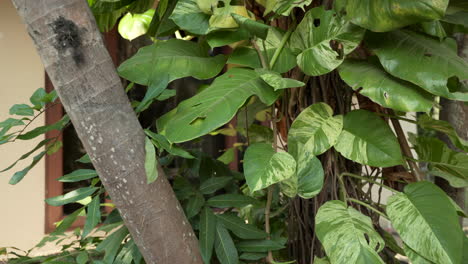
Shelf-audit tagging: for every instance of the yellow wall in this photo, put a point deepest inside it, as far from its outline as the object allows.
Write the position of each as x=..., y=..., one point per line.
x=21, y=72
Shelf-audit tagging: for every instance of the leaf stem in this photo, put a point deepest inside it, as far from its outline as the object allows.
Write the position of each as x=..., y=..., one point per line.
x=368, y=180
x=283, y=42
x=368, y=206
x=405, y=148
x=260, y=54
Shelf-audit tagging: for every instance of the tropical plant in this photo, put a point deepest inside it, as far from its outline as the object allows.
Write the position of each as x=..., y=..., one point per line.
x=318, y=90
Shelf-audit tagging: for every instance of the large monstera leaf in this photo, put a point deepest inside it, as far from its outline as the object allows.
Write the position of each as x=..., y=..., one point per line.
x=443, y=162
x=322, y=40
x=347, y=235
x=264, y=167
x=387, y=15
x=383, y=88
x=367, y=139
x=165, y=61
x=314, y=131
x=429, y=63
x=427, y=222
x=214, y=106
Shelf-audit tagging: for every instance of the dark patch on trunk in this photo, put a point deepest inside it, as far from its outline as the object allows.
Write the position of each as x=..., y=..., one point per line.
x=67, y=37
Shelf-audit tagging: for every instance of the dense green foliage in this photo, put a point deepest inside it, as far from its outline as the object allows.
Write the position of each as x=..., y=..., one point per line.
x=399, y=54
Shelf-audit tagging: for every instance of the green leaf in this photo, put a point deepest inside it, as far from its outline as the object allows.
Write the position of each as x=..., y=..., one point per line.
x=78, y=175
x=213, y=184
x=254, y=27
x=372, y=144
x=276, y=81
x=189, y=17
x=22, y=110
x=318, y=260
x=131, y=26
x=248, y=56
x=222, y=16
x=112, y=244
x=436, y=62
x=224, y=246
x=82, y=258
x=161, y=142
x=264, y=167
x=66, y=223
x=253, y=256
x=259, y=245
x=374, y=82
x=19, y=175
x=44, y=129
x=347, y=235
x=427, y=222
x=314, y=131
x=165, y=61
x=72, y=196
x=226, y=37
x=307, y=182
x=93, y=216
x=214, y=106
x=107, y=6
x=26, y=155
x=84, y=159
x=414, y=256
x=443, y=162
x=434, y=28
x=428, y=123
x=322, y=40
x=207, y=234
x=230, y=200
x=239, y=228
x=387, y=15
x=151, y=161
x=228, y=156
x=284, y=7
x=40, y=98
x=194, y=205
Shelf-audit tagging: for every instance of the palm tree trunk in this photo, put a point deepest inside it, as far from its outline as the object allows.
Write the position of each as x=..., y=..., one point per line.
x=72, y=50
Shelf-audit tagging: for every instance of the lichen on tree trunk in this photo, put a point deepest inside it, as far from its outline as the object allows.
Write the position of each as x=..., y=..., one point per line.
x=72, y=50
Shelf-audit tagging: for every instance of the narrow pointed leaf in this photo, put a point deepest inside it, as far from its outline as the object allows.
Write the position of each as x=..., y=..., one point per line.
x=213, y=184
x=93, y=216
x=112, y=244
x=19, y=175
x=194, y=205
x=72, y=196
x=230, y=200
x=347, y=235
x=224, y=246
x=78, y=175
x=259, y=245
x=151, y=162
x=367, y=139
x=207, y=234
x=239, y=228
x=427, y=222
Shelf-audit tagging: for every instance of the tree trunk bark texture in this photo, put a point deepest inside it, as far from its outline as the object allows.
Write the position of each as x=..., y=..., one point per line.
x=73, y=53
x=456, y=113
